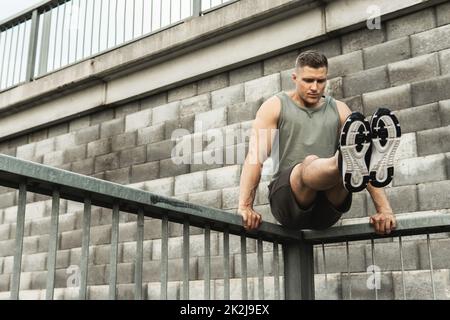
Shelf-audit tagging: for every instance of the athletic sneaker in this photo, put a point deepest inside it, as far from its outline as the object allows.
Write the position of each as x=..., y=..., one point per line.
x=386, y=135
x=354, y=152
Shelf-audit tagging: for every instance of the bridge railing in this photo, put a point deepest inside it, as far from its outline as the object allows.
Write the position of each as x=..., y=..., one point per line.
x=58, y=33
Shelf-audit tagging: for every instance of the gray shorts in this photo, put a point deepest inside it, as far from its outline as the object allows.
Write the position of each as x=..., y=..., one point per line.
x=320, y=215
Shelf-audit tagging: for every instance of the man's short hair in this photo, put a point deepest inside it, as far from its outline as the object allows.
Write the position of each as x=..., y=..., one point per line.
x=311, y=59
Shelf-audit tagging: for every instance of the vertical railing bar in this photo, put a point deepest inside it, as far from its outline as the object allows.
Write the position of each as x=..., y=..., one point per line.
x=17, y=51
x=276, y=271
x=23, y=49
x=62, y=34
x=116, y=17
x=260, y=270
x=151, y=15
x=373, y=265
x=70, y=30
x=56, y=37
x=107, y=23
x=45, y=42
x=180, y=11
x=78, y=28
x=170, y=12
x=164, y=256
x=226, y=264
x=124, y=20
x=20, y=226
x=196, y=8
x=92, y=28
x=244, y=267
x=324, y=265
x=84, y=28
x=160, y=13
x=85, y=248
x=143, y=10
x=9, y=57
x=100, y=26
x=139, y=260
x=134, y=21
x=431, y=266
x=114, y=250
x=53, y=245
x=347, y=250
x=3, y=56
x=32, y=47
x=402, y=266
x=207, y=270
x=186, y=260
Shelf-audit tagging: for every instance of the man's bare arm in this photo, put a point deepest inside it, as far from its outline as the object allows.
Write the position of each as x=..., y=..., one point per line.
x=384, y=219
x=266, y=120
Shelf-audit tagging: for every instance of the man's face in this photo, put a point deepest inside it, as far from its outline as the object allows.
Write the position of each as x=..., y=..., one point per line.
x=310, y=83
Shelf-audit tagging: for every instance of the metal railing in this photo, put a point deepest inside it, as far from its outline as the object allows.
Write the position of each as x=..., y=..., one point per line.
x=297, y=247
x=58, y=33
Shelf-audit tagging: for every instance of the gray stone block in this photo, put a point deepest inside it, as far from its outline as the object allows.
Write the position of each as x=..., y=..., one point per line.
x=163, y=187
x=101, y=253
x=217, y=267
x=133, y=156
x=414, y=69
x=183, y=92
x=54, y=158
x=38, y=136
x=443, y=14
x=262, y=88
x=169, y=168
x=336, y=259
x=112, y=128
x=58, y=129
x=327, y=287
x=121, y=176
x=166, y=112
x=360, y=289
x=99, y=147
x=431, y=90
x=252, y=264
x=334, y=88
x=195, y=105
x=74, y=154
x=418, y=285
x=4, y=282
x=154, y=101
x=262, y=193
x=26, y=151
x=396, y=98
x=434, y=195
x=207, y=160
x=79, y=123
x=227, y=96
x=242, y=112
x=138, y=120
x=330, y=47
x=223, y=177
x=345, y=64
x=123, y=141
x=190, y=183
x=440, y=248
x=246, y=73
x=360, y=39
x=280, y=62
x=75, y=255
x=7, y=199
x=444, y=111
x=428, y=115
x=154, y=290
x=402, y=199
x=287, y=84
x=212, y=199
x=4, y=234
x=366, y=81
x=129, y=251
x=87, y=135
x=34, y=262
x=179, y=127
x=124, y=110
x=411, y=24
x=216, y=118
x=102, y=116
x=85, y=167
x=408, y=146
x=420, y=170
x=151, y=134
x=44, y=146
x=431, y=41
x=144, y=172
x=213, y=83
x=358, y=208
x=236, y=154
x=107, y=162
x=433, y=141
x=230, y=198
x=354, y=103
x=388, y=52
x=160, y=150
x=444, y=61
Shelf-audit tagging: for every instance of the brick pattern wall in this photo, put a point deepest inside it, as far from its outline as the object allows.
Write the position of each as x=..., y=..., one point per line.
x=405, y=66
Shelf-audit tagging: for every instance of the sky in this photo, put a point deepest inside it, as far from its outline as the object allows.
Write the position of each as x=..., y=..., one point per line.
x=11, y=7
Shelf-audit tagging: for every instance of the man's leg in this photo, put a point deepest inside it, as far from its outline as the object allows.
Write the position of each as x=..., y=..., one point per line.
x=317, y=174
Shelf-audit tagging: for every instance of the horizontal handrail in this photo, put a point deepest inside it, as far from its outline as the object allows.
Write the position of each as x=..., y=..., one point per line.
x=72, y=186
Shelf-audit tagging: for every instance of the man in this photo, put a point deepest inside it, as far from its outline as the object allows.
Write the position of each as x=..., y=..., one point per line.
x=326, y=153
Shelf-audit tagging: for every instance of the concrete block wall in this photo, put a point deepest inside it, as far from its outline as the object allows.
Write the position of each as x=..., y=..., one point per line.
x=404, y=66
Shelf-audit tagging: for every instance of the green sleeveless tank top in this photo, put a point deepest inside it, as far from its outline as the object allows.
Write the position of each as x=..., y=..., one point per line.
x=303, y=132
